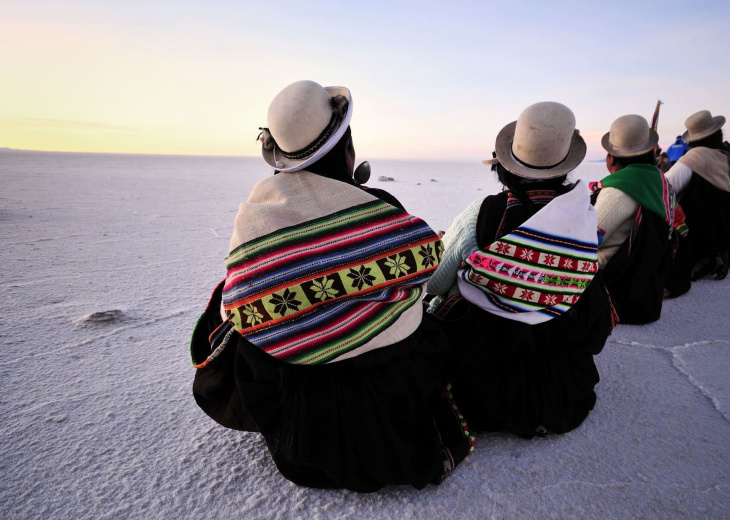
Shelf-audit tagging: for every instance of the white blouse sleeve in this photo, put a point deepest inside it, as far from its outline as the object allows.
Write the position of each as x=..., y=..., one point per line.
x=679, y=176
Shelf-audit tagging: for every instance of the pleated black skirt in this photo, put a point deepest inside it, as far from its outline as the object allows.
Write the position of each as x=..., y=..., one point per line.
x=525, y=379
x=384, y=417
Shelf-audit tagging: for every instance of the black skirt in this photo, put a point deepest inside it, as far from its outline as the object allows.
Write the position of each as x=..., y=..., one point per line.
x=526, y=379
x=384, y=417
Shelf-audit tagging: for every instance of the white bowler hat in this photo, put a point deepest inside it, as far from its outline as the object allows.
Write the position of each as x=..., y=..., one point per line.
x=305, y=122
x=542, y=144
x=700, y=125
x=629, y=136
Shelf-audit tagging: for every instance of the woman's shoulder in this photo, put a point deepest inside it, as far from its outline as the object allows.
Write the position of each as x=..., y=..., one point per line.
x=496, y=202
x=490, y=216
x=471, y=212
x=384, y=196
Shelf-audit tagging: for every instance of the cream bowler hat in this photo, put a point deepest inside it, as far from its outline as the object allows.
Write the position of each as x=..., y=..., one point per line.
x=700, y=125
x=305, y=122
x=542, y=144
x=629, y=136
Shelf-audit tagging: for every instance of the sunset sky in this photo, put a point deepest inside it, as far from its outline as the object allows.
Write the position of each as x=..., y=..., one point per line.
x=429, y=79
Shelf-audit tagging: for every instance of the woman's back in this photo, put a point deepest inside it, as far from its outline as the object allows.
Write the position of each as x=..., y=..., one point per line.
x=526, y=311
x=514, y=376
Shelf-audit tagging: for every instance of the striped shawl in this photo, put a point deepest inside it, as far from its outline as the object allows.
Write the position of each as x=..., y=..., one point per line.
x=538, y=271
x=321, y=271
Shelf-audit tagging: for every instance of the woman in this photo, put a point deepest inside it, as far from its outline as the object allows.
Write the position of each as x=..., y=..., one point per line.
x=701, y=177
x=518, y=287
x=635, y=210
x=321, y=343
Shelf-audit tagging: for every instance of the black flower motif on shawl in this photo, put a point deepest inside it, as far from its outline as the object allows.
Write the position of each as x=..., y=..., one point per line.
x=285, y=302
x=427, y=254
x=361, y=277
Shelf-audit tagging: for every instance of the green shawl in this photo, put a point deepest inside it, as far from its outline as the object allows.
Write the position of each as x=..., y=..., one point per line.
x=645, y=184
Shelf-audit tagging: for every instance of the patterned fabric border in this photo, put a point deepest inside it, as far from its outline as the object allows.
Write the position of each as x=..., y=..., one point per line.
x=448, y=393
x=348, y=239
x=322, y=336
x=360, y=279
x=536, y=197
x=531, y=271
x=311, y=292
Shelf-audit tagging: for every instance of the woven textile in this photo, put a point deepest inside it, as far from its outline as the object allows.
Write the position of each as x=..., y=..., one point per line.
x=539, y=270
x=535, y=196
x=314, y=291
x=679, y=221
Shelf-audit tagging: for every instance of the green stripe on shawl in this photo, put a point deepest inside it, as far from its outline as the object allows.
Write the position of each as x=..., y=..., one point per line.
x=643, y=183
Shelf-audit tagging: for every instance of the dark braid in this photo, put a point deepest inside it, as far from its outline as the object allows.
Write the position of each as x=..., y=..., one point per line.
x=334, y=164
x=645, y=158
x=519, y=186
x=713, y=141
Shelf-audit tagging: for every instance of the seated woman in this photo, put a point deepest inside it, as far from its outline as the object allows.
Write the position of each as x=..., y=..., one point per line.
x=701, y=179
x=518, y=288
x=317, y=337
x=636, y=213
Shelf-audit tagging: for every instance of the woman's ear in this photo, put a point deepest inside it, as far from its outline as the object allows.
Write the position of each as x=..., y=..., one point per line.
x=611, y=165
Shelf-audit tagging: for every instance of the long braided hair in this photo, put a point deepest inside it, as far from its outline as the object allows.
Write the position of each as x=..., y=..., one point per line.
x=334, y=164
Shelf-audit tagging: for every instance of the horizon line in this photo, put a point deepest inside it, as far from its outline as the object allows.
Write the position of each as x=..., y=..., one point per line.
x=454, y=159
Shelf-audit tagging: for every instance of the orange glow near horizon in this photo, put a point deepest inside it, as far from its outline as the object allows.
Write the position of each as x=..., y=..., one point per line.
x=190, y=79
x=71, y=136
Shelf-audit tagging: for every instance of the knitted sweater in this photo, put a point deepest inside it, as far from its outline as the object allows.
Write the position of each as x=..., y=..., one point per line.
x=616, y=212
x=459, y=242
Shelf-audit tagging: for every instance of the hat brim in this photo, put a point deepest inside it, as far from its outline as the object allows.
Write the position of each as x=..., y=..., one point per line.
x=634, y=151
x=717, y=123
x=503, y=147
x=274, y=156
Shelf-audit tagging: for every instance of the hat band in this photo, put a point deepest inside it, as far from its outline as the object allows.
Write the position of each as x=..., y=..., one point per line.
x=632, y=149
x=538, y=167
x=317, y=143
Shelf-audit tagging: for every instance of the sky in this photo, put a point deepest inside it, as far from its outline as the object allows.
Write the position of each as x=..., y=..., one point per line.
x=429, y=79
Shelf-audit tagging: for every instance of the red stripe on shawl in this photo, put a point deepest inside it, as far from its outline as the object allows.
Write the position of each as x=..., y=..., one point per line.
x=359, y=294
x=335, y=269
x=292, y=253
x=346, y=323
x=667, y=200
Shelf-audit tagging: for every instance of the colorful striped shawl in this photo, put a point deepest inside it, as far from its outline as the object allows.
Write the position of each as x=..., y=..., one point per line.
x=538, y=271
x=317, y=291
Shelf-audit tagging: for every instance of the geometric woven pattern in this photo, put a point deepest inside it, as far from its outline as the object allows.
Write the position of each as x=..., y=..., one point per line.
x=529, y=270
x=309, y=293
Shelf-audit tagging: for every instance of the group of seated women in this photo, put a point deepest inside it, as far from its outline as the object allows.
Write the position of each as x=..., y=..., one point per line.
x=366, y=350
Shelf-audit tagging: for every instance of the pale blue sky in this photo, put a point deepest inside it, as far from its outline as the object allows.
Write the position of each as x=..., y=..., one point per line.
x=429, y=79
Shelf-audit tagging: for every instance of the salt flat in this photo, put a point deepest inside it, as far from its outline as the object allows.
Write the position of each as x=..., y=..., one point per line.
x=108, y=260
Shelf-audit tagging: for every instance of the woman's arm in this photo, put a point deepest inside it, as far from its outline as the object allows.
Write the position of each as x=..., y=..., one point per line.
x=679, y=176
x=616, y=212
x=459, y=242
